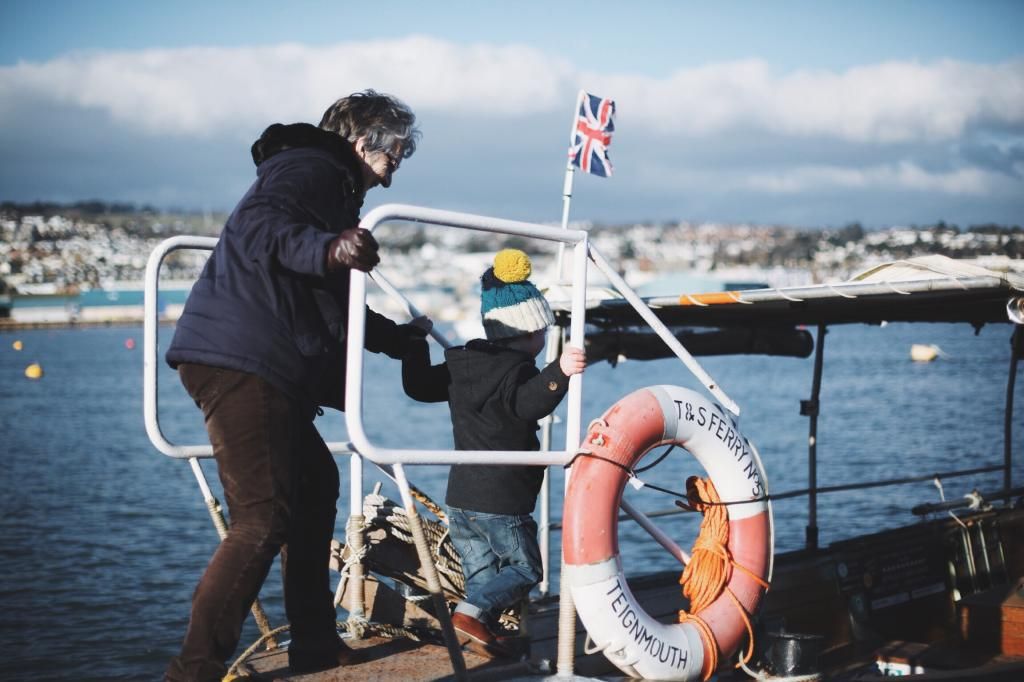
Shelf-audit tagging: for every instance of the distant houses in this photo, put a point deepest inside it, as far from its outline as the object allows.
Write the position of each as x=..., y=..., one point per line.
x=88, y=267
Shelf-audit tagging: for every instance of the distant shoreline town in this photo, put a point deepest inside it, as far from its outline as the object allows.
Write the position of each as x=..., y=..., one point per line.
x=85, y=262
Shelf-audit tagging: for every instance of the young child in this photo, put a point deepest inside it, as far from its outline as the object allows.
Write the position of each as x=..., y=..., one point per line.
x=496, y=394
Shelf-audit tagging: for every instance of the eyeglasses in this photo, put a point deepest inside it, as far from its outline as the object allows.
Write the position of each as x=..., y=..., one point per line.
x=394, y=160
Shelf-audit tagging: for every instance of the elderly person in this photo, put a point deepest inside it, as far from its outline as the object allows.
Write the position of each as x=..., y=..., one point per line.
x=259, y=347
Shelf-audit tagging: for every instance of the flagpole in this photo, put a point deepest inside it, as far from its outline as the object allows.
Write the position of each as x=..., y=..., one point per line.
x=566, y=647
x=570, y=173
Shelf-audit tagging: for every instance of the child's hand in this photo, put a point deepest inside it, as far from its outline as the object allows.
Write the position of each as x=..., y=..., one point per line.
x=573, y=361
x=423, y=322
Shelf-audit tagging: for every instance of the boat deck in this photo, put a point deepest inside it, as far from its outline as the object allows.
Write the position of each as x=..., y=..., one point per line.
x=407, y=660
x=871, y=600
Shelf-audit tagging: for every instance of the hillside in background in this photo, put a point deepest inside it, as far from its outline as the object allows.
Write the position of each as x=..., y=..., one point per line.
x=48, y=247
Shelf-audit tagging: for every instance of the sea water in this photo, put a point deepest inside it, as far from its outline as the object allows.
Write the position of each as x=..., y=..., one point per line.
x=102, y=538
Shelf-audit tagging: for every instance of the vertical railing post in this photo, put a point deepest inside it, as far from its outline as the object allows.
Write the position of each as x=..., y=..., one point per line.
x=430, y=573
x=810, y=408
x=566, y=607
x=1016, y=350
x=354, y=538
x=554, y=346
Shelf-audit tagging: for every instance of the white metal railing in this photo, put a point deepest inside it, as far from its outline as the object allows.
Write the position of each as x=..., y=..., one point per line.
x=150, y=361
x=353, y=417
x=581, y=251
x=151, y=348
x=360, y=442
x=356, y=337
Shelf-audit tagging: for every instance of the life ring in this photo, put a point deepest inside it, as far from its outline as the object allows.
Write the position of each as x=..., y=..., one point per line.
x=631, y=639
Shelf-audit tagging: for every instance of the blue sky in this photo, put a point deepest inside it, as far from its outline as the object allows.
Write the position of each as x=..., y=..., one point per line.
x=810, y=114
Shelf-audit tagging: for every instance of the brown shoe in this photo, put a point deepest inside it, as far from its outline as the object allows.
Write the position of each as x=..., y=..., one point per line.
x=300, y=661
x=474, y=635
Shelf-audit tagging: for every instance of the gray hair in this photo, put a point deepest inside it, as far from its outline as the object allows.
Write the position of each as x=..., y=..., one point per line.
x=381, y=120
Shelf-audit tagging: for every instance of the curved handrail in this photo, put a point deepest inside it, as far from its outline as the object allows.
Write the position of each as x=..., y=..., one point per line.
x=150, y=361
x=357, y=334
x=149, y=357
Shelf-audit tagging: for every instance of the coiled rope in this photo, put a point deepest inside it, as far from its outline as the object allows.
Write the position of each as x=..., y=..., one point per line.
x=381, y=512
x=709, y=570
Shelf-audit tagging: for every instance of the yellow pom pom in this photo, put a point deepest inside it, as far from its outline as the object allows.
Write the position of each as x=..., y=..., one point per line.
x=512, y=265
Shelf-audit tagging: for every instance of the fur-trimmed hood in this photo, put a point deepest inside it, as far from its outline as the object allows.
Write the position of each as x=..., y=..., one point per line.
x=280, y=137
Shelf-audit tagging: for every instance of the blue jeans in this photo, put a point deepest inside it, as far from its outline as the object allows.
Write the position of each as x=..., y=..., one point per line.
x=500, y=559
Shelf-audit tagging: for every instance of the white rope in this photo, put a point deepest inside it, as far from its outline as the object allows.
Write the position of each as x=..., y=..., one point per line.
x=355, y=556
x=838, y=292
x=734, y=295
x=345, y=557
x=893, y=287
x=695, y=301
x=794, y=299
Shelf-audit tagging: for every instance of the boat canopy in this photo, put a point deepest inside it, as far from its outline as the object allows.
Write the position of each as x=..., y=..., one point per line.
x=767, y=320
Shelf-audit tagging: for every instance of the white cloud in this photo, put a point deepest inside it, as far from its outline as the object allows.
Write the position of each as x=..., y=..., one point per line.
x=888, y=102
x=899, y=177
x=723, y=139
x=205, y=90
x=208, y=90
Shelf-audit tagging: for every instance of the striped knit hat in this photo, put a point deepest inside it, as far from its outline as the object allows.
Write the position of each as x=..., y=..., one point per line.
x=509, y=304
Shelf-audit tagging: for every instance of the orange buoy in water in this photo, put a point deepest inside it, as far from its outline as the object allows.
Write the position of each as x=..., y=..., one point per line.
x=129, y=343
x=34, y=371
x=17, y=345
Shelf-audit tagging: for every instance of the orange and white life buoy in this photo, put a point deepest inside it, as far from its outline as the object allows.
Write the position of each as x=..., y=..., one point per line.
x=635, y=642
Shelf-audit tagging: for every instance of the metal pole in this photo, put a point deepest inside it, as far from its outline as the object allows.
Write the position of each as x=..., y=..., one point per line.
x=1016, y=350
x=354, y=538
x=573, y=423
x=644, y=310
x=810, y=408
x=565, y=665
x=662, y=539
x=545, y=529
x=430, y=573
x=553, y=348
x=570, y=173
x=554, y=345
x=411, y=310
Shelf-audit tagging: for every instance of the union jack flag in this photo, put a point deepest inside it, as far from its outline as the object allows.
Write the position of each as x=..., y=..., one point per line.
x=594, y=127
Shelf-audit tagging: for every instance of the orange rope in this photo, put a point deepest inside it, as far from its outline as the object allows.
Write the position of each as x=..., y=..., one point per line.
x=710, y=567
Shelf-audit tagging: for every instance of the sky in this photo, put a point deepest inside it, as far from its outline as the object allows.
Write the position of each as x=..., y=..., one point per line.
x=810, y=114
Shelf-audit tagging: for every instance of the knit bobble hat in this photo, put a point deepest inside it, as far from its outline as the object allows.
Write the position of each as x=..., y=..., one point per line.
x=510, y=304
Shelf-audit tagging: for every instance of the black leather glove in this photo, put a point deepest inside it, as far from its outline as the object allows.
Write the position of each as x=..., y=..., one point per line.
x=354, y=248
x=407, y=334
x=412, y=331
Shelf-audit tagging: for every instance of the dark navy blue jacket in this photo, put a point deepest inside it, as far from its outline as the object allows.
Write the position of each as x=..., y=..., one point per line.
x=265, y=302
